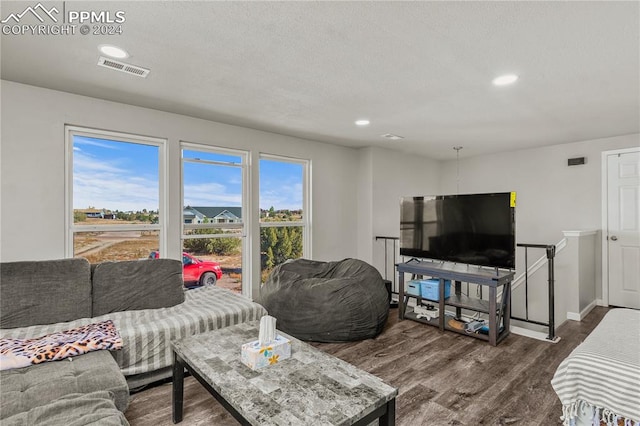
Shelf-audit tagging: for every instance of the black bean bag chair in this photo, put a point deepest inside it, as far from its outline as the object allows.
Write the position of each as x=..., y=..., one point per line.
x=326, y=301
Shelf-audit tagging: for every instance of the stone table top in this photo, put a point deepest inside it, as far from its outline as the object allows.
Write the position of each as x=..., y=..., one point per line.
x=311, y=387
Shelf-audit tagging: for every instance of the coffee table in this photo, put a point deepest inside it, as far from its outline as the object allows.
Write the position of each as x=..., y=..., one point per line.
x=311, y=387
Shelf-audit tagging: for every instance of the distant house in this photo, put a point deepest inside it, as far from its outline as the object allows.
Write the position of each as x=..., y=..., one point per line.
x=212, y=214
x=192, y=215
x=96, y=213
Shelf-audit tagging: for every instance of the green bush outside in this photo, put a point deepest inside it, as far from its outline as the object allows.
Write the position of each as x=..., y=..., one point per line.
x=217, y=246
x=279, y=244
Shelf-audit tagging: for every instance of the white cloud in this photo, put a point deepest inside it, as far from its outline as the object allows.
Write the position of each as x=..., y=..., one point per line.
x=104, y=184
x=283, y=197
x=210, y=194
x=282, y=190
x=79, y=140
x=86, y=163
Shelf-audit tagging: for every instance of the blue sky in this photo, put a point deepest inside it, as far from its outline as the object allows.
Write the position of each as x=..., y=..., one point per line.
x=280, y=185
x=114, y=175
x=124, y=176
x=212, y=185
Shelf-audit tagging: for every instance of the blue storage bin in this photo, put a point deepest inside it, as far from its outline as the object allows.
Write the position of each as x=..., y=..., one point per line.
x=413, y=288
x=430, y=289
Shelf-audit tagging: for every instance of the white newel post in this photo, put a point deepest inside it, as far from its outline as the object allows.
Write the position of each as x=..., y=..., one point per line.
x=578, y=265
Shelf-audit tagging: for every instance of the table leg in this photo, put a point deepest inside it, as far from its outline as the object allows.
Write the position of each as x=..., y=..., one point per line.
x=493, y=320
x=441, y=304
x=402, y=304
x=458, y=290
x=507, y=310
x=177, y=388
x=389, y=417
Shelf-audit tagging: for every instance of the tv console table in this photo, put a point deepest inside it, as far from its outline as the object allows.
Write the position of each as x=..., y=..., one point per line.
x=499, y=313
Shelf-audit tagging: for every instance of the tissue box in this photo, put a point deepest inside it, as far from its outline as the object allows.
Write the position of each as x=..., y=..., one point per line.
x=255, y=356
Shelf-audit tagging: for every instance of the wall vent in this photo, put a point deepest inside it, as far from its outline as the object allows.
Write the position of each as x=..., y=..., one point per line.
x=578, y=161
x=123, y=67
x=392, y=136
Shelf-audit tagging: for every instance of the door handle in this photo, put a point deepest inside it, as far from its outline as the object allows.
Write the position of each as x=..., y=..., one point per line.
x=614, y=238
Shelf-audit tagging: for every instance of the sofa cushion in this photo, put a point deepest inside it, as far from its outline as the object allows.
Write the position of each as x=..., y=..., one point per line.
x=38, y=385
x=137, y=284
x=96, y=408
x=44, y=292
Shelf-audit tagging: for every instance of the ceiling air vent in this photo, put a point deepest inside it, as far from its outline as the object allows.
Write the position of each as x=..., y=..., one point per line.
x=392, y=136
x=123, y=67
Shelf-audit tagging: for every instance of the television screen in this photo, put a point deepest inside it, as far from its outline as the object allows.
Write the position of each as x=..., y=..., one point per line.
x=477, y=229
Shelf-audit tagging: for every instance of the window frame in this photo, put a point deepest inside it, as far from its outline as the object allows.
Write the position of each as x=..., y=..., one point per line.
x=243, y=225
x=305, y=223
x=71, y=228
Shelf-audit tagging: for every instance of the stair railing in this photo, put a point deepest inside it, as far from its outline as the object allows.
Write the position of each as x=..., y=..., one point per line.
x=551, y=254
x=394, y=241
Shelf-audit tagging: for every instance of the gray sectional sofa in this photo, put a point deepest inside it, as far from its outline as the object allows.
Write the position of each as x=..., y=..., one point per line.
x=88, y=390
x=149, y=306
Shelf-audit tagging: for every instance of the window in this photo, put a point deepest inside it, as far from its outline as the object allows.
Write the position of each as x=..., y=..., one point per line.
x=214, y=200
x=114, y=195
x=284, y=211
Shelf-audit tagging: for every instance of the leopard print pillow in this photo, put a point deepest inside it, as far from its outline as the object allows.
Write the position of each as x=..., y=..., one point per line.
x=18, y=353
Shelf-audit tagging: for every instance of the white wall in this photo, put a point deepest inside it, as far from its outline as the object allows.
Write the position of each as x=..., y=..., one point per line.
x=365, y=205
x=551, y=196
x=390, y=175
x=33, y=181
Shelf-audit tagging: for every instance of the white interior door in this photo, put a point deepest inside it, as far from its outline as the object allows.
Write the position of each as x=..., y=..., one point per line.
x=623, y=230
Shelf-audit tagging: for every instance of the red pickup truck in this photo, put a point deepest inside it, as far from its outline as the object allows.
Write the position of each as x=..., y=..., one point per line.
x=195, y=271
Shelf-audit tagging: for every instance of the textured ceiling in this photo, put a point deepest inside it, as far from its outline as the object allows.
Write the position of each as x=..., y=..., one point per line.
x=421, y=70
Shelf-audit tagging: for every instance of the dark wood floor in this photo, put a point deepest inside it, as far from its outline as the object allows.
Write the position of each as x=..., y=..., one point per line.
x=443, y=378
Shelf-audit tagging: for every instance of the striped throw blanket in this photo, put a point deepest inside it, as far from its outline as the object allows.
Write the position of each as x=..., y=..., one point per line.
x=146, y=334
x=602, y=375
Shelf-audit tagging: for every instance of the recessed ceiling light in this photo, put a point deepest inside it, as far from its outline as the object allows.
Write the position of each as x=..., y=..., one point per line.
x=362, y=122
x=504, y=80
x=113, y=51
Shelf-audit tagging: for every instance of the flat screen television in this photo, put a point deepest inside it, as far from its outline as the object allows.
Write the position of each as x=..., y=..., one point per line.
x=477, y=229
